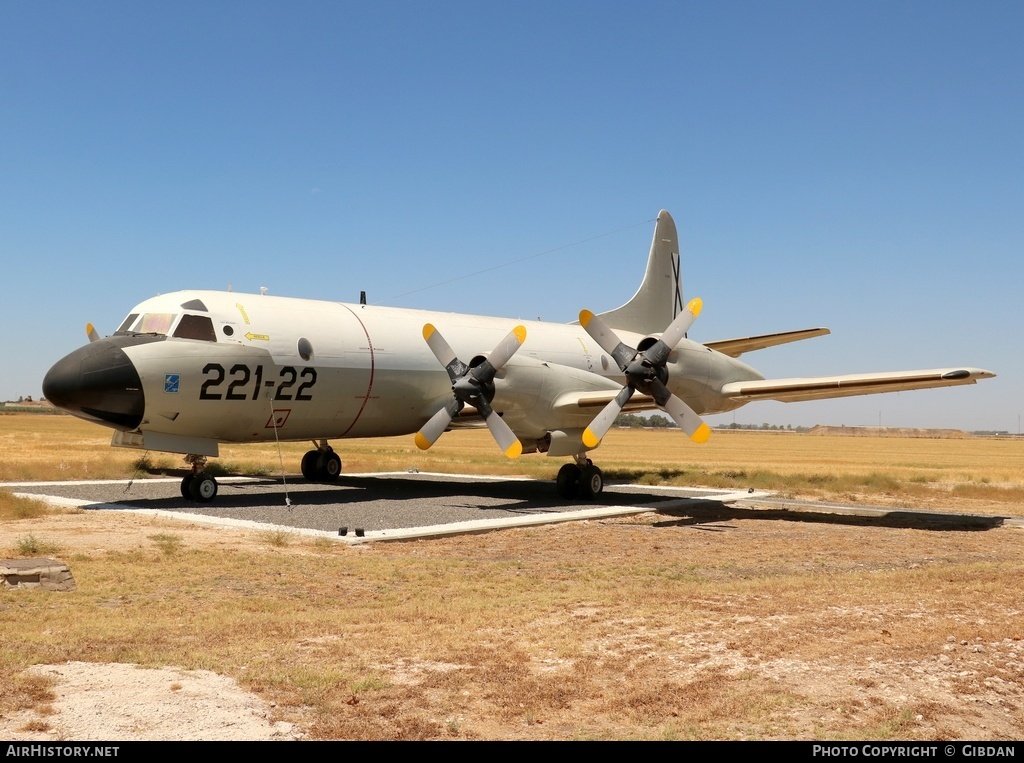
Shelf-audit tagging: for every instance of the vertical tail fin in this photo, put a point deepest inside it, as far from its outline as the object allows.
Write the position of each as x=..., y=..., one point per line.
x=660, y=297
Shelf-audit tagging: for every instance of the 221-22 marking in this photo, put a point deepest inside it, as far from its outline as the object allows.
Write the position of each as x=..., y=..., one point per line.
x=240, y=376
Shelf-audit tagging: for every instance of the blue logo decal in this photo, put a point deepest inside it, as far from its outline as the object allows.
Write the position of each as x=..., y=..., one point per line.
x=171, y=382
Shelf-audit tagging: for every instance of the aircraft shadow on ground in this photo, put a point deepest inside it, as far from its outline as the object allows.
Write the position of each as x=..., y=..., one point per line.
x=704, y=512
x=526, y=497
x=512, y=496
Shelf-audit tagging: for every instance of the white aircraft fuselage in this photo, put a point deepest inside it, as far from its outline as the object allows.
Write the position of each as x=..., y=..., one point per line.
x=265, y=368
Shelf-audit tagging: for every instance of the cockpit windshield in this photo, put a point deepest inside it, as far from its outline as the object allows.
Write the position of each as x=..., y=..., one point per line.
x=148, y=323
x=189, y=327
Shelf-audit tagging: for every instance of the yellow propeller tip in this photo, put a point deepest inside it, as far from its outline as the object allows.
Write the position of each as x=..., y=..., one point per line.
x=422, y=442
x=695, y=306
x=585, y=317
x=428, y=331
x=520, y=332
x=515, y=450
x=702, y=434
x=590, y=439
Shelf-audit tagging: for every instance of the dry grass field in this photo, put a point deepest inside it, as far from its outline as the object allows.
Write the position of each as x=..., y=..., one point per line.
x=722, y=623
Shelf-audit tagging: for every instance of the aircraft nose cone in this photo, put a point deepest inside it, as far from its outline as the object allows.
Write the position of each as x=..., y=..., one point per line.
x=97, y=382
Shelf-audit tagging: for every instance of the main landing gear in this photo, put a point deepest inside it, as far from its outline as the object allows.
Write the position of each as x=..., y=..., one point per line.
x=198, y=486
x=322, y=464
x=580, y=480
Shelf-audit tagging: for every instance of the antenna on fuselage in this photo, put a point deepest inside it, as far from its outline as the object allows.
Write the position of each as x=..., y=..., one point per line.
x=362, y=298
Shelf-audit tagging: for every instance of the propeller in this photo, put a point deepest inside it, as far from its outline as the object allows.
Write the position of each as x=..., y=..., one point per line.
x=92, y=333
x=474, y=386
x=645, y=371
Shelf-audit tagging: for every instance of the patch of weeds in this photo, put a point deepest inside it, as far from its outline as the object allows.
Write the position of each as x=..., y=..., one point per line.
x=168, y=543
x=36, y=724
x=892, y=723
x=220, y=468
x=144, y=465
x=30, y=545
x=320, y=543
x=371, y=683
x=15, y=507
x=26, y=691
x=277, y=538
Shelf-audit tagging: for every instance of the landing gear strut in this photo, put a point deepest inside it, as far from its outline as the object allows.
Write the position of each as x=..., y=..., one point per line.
x=322, y=464
x=198, y=486
x=580, y=480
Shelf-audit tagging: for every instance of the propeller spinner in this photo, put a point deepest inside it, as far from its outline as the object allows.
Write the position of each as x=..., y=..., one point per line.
x=645, y=371
x=472, y=386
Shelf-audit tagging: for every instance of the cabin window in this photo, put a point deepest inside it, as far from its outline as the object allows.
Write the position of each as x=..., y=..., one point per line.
x=195, y=327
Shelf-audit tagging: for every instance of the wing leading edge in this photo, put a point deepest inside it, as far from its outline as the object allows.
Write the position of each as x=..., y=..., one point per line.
x=822, y=387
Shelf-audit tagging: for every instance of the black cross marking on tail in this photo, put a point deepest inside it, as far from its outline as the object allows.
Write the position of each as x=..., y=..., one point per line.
x=678, y=306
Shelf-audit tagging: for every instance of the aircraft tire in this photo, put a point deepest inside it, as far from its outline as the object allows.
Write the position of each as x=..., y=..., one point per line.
x=203, y=488
x=568, y=480
x=591, y=482
x=186, y=486
x=329, y=466
x=309, y=462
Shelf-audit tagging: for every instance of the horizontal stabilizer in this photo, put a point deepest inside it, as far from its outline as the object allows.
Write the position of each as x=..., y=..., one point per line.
x=736, y=347
x=823, y=387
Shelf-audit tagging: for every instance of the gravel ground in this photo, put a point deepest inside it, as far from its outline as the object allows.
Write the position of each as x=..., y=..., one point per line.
x=381, y=502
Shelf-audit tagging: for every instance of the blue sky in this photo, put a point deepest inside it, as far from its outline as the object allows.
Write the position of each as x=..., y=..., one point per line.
x=857, y=166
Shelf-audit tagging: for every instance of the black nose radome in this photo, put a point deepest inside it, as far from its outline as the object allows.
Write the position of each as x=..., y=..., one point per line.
x=98, y=382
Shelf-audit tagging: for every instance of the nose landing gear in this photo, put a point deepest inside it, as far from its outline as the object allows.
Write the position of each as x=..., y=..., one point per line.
x=198, y=486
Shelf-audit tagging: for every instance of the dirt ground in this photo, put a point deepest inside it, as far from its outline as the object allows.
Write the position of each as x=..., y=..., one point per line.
x=844, y=665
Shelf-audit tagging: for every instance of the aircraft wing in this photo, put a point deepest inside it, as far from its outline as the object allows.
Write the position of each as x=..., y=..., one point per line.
x=821, y=387
x=736, y=347
x=573, y=401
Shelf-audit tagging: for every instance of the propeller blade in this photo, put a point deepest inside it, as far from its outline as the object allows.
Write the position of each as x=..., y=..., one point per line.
x=443, y=352
x=658, y=352
x=501, y=354
x=599, y=427
x=500, y=431
x=439, y=422
x=687, y=419
x=504, y=436
x=606, y=339
x=91, y=332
